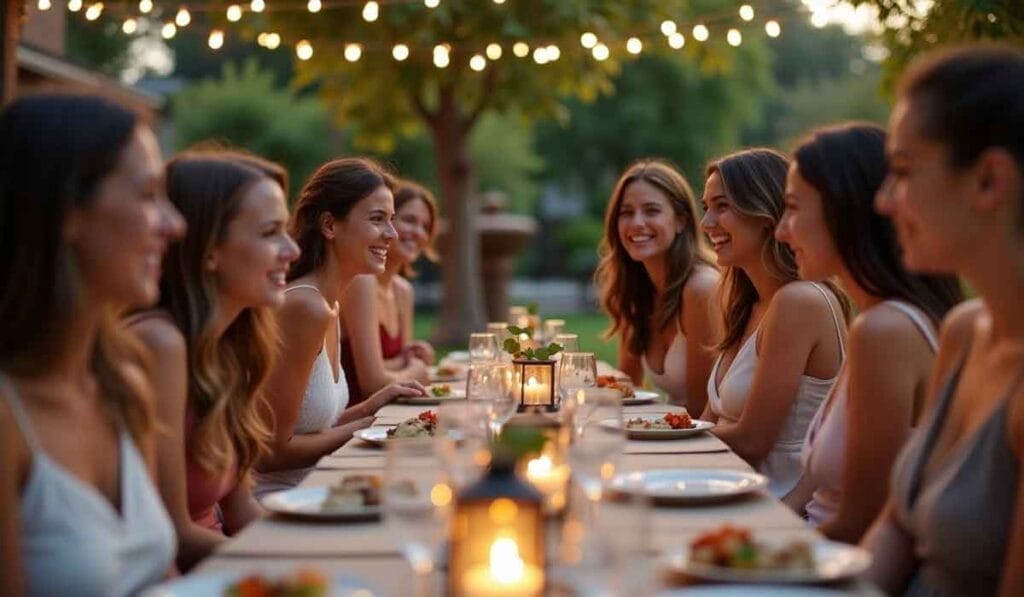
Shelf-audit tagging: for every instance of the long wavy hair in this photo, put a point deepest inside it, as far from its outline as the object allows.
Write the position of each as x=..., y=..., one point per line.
x=847, y=165
x=754, y=181
x=627, y=292
x=55, y=152
x=335, y=188
x=406, y=191
x=226, y=372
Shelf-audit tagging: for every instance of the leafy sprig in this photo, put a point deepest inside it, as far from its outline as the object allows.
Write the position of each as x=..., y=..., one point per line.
x=513, y=347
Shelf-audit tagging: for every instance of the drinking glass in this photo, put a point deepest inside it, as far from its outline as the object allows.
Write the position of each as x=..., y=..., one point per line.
x=464, y=440
x=576, y=371
x=568, y=342
x=494, y=385
x=483, y=348
x=500, y=330
x=552, y=327
x=598, y=439
x=417, y=500
x=519, y=316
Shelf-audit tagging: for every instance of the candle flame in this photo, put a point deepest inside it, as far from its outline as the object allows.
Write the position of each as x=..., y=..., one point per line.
x=538, y=467
x=506, y=565
x=532, y=381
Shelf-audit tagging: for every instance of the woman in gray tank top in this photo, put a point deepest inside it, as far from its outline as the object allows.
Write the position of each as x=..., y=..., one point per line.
x=954, y=524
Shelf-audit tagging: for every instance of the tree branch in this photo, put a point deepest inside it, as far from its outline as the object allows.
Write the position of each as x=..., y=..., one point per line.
x=420, y=107
x=487, y=87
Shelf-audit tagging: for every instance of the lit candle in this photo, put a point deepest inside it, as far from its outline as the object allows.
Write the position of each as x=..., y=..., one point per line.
x=549, y=479
x=536, y=392
x=505, y=574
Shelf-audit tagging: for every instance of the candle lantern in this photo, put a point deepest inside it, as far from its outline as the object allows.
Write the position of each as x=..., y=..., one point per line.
x=497, y=542
x=535, y=382
x=547, y=469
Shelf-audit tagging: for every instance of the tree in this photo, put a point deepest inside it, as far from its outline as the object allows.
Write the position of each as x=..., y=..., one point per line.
x=384, y=98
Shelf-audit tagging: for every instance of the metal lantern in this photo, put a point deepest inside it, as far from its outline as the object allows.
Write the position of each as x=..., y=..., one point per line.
x=535, y=384
x=497, y=539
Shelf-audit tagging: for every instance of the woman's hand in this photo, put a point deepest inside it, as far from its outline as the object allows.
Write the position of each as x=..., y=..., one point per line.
x=399, y=389
x=421, y=350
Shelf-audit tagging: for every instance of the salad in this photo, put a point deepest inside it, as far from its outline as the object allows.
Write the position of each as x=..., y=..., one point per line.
x=610, y=382
x=422, y=425
x=669, y=421
x=303, y=583
x=732, y=547
x=352, y=492
x=441, y=390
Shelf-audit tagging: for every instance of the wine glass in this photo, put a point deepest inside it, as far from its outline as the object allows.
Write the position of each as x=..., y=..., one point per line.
x=500, y=330
x=494, y=385
x=568, y=342
x=598, y=439
x=463, y=440
x=483, y=348
x=552, y=327
x=576, y=371
x=416, y=501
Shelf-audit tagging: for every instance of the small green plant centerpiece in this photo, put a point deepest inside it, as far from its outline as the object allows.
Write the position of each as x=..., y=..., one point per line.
x=535, y=370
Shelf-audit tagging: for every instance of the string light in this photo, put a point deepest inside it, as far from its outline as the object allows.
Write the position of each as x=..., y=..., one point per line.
x=441, y=57
x=74, y=5
x=129, y=26
x=432, y=4
x=701, y=33
x=668, y=28
x=44, y=5
x=499, y=1
x=478, y=62
x=400, y=52
x=734, y=37
x=819, y=20
x=493, y=51
x=145, y=6
x=94, y=11
x=540, y=55
x=183, y=18
x=273, y=41
x=676, y=40
x=353, y=52
x=601, y=52
x=371, y=11
x=261, y=39
x=588, y=40
x=521, y=49
x=304, y=50
x=314, y=6
x=747, y=12
x=234, y=13
x=257, y=5
x=772, y=28
x=168, y=30
x=634, y=46
x=216, y=40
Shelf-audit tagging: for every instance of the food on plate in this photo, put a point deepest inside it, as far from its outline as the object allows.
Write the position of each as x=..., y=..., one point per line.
x=610, y=382
x=302, y=583
x=447, y=371
x=732, y=547
x=441, y=390
x=422, y=425
x=669, y=421
x=352, y=492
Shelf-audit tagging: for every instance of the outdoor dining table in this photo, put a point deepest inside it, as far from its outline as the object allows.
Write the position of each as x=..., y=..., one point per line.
x=367, y=550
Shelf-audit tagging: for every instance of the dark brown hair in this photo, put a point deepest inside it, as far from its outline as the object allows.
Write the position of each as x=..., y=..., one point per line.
x=335, y=188
x=627, y=292
x=847, y=165
x=406, y=191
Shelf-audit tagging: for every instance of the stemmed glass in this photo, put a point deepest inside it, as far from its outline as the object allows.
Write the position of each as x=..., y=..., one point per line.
x=416, y=500
x=598, y=439
x=552, y=328
x=576, y=371
x=500, y=331
x=483, y=348
x=568, y=342
x=463, y=436
x=493, y=384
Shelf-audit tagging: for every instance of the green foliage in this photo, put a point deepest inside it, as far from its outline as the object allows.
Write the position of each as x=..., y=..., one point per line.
x=245, y=109
x=501, y=147
x=99, y=45
x=514, y=348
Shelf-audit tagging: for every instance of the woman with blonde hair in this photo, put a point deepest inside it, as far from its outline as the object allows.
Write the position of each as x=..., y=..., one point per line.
x=784, y=339
x=378, y=310
x=656, y=282
x=214, y=338
x=84, y=222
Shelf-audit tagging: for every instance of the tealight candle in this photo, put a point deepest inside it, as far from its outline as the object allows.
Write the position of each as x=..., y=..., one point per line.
x=549, y=479
x=535, y=392
x=505, y=574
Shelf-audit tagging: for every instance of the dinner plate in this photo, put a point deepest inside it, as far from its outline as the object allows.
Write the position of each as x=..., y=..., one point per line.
x=378, y=435
x=430, y=399
x=640, y=397
x=305, y=503
x=832, y=561
x=699, y=427
x=215, y=584
x=689, y=486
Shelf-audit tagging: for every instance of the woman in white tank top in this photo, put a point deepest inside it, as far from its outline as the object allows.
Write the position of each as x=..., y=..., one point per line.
x=657, y=282
x=831, y=225
x=342, y=224
x=783, y=341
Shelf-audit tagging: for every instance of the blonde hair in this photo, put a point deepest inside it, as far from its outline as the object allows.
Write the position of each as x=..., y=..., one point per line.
x=407, y=191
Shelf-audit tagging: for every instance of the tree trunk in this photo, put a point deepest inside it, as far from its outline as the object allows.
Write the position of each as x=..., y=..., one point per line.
x=462, y=311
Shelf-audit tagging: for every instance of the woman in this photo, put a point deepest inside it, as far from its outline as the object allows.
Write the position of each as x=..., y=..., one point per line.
x=954, y=523
x=214, y=339
x=783, y=340
x=378, y=310
x=342, y=224
x=833, y=230
x=657, y=284
x=84, y=223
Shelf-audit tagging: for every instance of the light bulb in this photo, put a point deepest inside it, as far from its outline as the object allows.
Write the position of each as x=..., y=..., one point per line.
x=601, y=52
x=304, y=50
x=701, y=33
x=668, y=28
x=493, y=51
x=634, y=46
x=353, y=52
x=521, y=49
x=478, y=63
x=588, y=40
x=183, y=18
x=676, y=40
x=234, y=13
x=734, y=37
x=371, y=11
x=400, y=52
x=129, y=26
x=747, y=12
x=216, y=40
x=168, y=30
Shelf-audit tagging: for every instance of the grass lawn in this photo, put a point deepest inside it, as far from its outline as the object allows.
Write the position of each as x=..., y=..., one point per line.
x=588, y=326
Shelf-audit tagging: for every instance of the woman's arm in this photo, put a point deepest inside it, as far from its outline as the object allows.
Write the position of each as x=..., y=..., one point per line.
x=420, y=349
x=887, y=360
x=238, y=508
x=796, y=318
x=1012, y=582
x=798, y=497
x=363, y=328
x=13, y=463
x=169, y=382
x=629, y=363
x=701, y=326
x=892, y=553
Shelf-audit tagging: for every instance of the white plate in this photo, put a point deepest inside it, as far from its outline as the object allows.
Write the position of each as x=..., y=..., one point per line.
x=688, y=486
x=832, y=561
x=215, y=584
x=305, y=503
x=430, y=399
x=378, y=435
x=698, y=427
x=457, y=356
x=640, y=397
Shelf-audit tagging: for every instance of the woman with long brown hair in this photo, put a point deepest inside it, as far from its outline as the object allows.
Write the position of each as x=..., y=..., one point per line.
x=378, y=347
x=84, y=223
x=784, y=339
x=214, y=338
x=656, y=282
x=342, y=224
